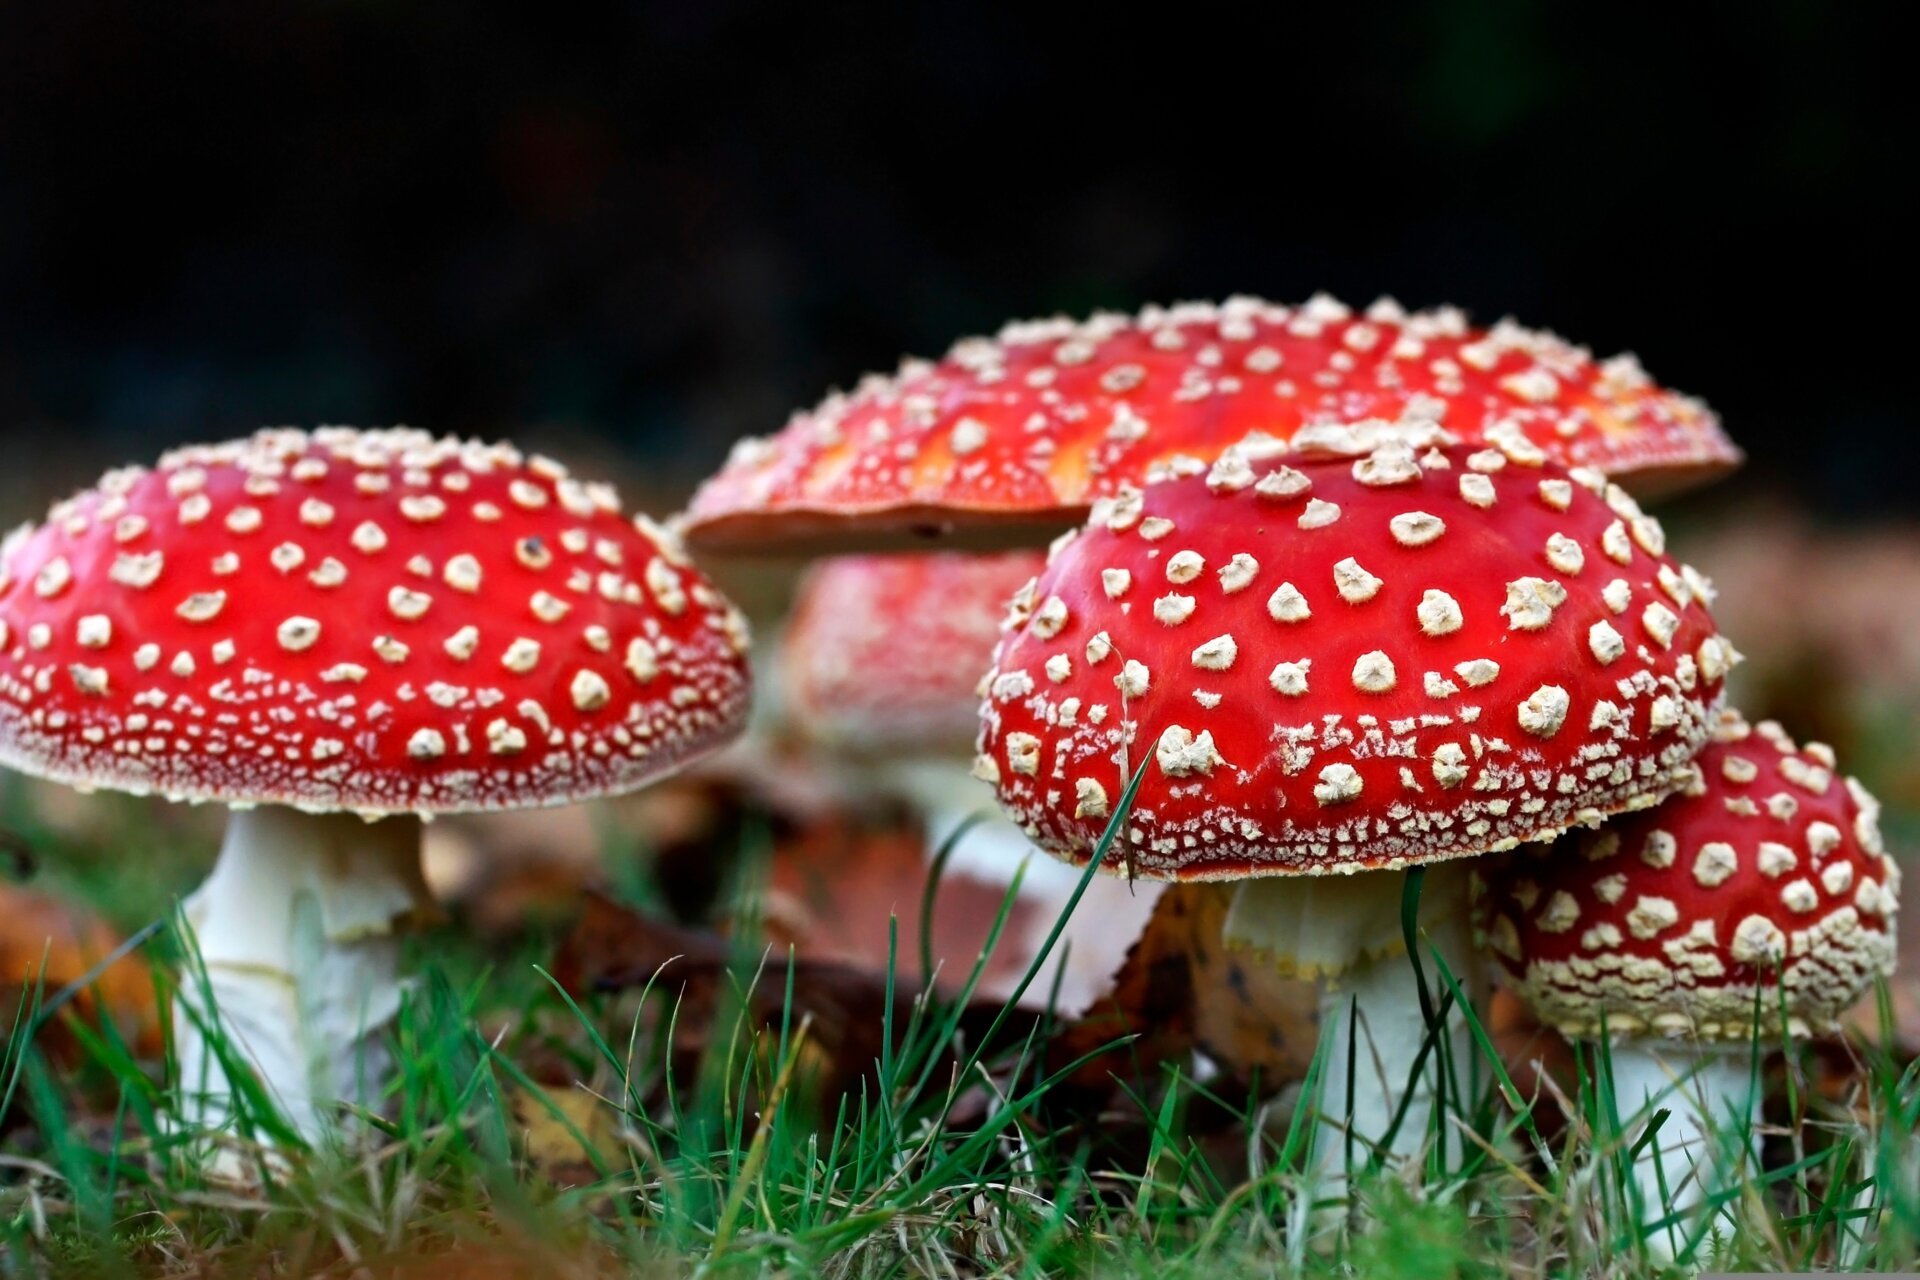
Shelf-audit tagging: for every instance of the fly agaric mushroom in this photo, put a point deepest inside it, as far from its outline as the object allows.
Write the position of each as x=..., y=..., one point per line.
x=1343, y=670
x=321, y=628
x=882, y=660
x=1760, y=899
x=1011, y=438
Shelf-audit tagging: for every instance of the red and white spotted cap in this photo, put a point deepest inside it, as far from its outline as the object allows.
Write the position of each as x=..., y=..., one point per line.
x=884, y=653
x=1010, y=436
x=1350, y=665
x=373, y=621
x=1767, y=873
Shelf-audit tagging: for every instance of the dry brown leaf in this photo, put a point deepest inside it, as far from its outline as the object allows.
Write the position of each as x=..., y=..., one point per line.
x=556, y=1141
x=503, y=872
x=36, y=926
x=1534, y=1055
x=506, y=872
x=1252, y=1020
x=1151, y=1008
x=1182, y=989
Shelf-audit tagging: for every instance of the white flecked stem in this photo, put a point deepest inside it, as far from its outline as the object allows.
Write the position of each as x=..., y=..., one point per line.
x=1345, y=931
x=1705, y=1144
x=297, y=933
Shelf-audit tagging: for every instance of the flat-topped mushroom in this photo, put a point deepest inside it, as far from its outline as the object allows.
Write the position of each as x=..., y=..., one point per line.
x=1758, y=901
x=1011, y=438
x=882, y=659
x=355, y=624
x=1350, y=667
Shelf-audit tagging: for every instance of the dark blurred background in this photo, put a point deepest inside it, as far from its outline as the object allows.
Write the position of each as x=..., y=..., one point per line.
x=661, y=225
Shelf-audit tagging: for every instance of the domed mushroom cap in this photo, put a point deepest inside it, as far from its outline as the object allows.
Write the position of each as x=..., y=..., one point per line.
x=1014, y=435
x=884, y=653
x=1767, y=873
x=375, y=621
x=1350, y=665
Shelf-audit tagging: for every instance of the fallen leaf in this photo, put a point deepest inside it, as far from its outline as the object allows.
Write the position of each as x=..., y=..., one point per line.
x=1182, y=989
x=841, y=887
x=1534, y=1055
x=563, y=1127
x=51, y=943
x=1255, y=1022
x=1151, y=1008
x=505, y=872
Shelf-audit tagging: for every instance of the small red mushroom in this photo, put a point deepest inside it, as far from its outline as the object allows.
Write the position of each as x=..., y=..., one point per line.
x=1759, y=900
x=357, y=624
x=1011, y=438
x=1348, y=667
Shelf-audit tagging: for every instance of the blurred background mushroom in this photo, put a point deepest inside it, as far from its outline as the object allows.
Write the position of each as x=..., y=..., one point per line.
x=1010, y=439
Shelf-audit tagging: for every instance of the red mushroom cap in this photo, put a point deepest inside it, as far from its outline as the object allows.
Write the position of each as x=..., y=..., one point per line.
x=884, y=653
x=1350, y=665
x=1014, y=434
x=376, y=621
x=1766, y=872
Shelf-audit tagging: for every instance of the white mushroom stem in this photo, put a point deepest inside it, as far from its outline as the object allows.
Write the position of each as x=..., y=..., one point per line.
x=1706, y=1143
x=1345, y=931
x=297, y=933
